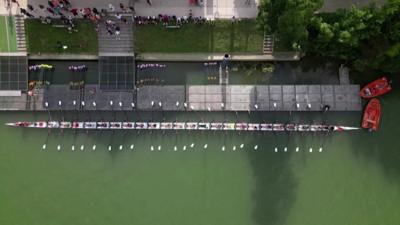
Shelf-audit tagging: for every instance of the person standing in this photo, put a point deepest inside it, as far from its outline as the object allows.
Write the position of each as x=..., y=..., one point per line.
x=30, y=7
x=16, y=2
x=148, y=2
x=111, y=7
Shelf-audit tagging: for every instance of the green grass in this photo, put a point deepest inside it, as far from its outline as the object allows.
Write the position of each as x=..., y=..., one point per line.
x=42, y=38
x=223, y=36
x=8, y=40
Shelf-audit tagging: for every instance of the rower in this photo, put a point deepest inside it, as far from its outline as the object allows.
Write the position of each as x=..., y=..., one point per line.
x=326, y=108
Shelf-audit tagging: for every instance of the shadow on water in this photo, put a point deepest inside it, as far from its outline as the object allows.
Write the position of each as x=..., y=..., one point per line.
x=274, y=187
x=274, y=180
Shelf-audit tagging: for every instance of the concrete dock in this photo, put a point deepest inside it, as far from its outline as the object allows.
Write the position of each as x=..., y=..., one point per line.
x=196, y=97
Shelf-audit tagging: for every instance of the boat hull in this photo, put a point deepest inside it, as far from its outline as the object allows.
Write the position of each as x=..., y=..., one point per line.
x=375, y=88
x=372, y=115
x=278, y=127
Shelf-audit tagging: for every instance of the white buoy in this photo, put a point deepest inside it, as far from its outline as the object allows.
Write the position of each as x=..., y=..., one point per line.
x=59, y=103
x=73, y=148
x=209, y=109
x=256, y=106
x=94, y=104
x=320, y=149
x=74, y=103
x=133, y=105
x=177, y=104
x=44, y=146
x=132, y=146
x=234, y=148
x=159, y=148
x=58, y=147
x=223, y=148
x=94, y=147
x=83, y=103
x=111, y=103
x=152, y=148
x=120, y=104
x=185, y=104
x=192, y=145
x=297, y=149
x=184, y=148
x=241, y=146
x=160, y=104
x=310, y=150
x=109, y=148
x=285, y=149
x=82, y=147
x=121, y=147
x=222, y=105
x=276, y=149
x=255, y=147
x=274, y=104
x=152, y=103
x=205, y=146
x=297, y=105
x=309, y=105
x=192, y=107
x=175, y=148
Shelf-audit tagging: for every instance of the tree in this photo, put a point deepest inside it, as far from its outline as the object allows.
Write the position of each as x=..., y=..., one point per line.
x=288, y=19
x=368, y=37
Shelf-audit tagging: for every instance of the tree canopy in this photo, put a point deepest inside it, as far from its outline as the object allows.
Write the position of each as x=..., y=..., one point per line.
x=367, y=37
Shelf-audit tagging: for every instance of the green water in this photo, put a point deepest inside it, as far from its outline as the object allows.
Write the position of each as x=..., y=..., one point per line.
x=354, y=180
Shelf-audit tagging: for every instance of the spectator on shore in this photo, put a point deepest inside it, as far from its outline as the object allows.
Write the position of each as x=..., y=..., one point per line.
x=16, y=2
x=30, y=7
x=111, y=7
x=122, y=7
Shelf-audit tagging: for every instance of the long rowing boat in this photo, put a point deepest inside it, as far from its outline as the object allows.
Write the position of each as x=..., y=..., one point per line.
x=181, y=126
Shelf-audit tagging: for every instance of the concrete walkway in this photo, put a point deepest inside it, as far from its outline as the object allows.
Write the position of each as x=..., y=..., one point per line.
x=209, y=8
x=190, y=57
x=206, y=8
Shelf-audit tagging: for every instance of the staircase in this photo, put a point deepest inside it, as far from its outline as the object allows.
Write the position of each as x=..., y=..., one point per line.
x=20, y=33
x=268, y=44
x=113, y=45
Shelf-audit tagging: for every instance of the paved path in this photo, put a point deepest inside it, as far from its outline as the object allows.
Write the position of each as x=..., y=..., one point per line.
x=208, y=8
x=117, y=45
x=278, y=56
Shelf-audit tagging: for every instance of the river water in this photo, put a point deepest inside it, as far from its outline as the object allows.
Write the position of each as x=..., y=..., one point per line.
x=354, y=180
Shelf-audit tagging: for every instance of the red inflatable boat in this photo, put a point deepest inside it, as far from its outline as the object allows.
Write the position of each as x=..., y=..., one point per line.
x=372, y=115
x=376, y=88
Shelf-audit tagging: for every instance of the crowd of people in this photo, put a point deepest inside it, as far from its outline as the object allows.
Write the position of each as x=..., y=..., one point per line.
x=168, y=20
x=80, y=68
x=40, y=67
x=150, y=65
x=64, y=10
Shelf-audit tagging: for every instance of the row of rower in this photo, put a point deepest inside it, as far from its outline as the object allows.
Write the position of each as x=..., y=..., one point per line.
x=175, y=126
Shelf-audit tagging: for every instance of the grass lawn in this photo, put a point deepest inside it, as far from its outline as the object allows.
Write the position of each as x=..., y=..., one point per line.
x=222, y=36
x=8, y=40
x=43, y=38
